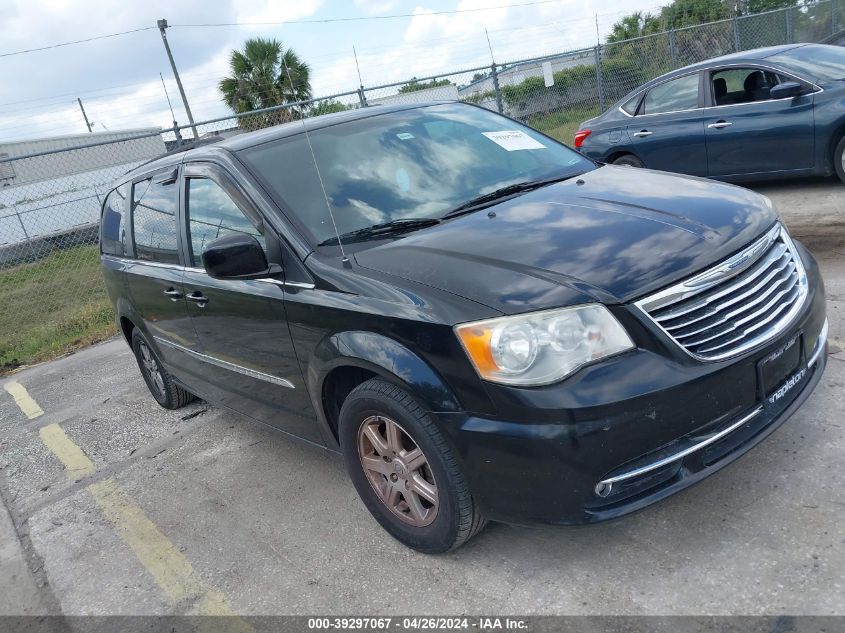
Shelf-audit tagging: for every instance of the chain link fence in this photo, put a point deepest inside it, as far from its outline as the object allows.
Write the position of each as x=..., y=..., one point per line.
x=52, y=296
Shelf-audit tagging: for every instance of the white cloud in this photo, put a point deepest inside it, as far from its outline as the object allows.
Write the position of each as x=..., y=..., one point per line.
x=275, y=10
x=375, y=7
x=117, y=78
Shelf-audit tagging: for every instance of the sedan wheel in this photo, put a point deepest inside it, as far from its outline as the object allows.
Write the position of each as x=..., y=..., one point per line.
x=839, y=159
x=628, y=160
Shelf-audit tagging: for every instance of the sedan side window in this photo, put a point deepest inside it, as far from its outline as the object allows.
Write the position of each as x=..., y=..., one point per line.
x=742, y=85
x=212, y=214
x=673, y=96
x=154, y=221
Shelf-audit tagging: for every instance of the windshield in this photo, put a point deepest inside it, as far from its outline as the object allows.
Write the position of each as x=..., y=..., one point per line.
x=418, y=163
x=822, y=63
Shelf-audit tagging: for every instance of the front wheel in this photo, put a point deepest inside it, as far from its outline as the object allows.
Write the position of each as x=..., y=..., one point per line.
x=839, y=159
x=404, y=469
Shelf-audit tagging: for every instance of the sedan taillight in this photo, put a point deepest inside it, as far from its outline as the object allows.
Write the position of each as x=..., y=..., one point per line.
x=580, y=135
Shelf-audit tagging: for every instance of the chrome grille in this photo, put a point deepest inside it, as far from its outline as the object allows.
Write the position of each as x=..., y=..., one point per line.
x=738, y=304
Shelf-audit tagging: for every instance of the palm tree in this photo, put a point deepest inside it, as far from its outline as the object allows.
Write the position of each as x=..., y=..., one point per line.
x=262, y=75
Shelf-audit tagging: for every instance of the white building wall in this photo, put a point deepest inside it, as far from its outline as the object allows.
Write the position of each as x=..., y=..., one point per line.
x=116, y=152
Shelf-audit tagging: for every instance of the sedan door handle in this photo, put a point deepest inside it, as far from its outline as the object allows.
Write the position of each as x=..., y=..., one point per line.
x=197, y=297
x=173, y=294
x=643, y=133
x=718, y=125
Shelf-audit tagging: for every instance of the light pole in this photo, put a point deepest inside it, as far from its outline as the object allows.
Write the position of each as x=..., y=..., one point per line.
x=162, y=26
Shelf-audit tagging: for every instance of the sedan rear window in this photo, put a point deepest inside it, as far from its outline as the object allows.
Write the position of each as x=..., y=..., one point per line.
x=822, y=63
x=417, y=163
x=672, y=96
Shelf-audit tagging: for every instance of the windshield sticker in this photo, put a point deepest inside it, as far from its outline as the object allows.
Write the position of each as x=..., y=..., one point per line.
x=513, y=140
x=404, y=136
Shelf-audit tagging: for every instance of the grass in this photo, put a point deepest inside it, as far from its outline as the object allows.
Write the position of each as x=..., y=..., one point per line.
x=53, y=306
x=562, y=125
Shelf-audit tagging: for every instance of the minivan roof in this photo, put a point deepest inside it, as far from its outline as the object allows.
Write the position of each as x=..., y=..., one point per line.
x=250, y=139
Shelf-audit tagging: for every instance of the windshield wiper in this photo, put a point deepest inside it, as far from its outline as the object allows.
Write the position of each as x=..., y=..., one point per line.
x=394, y=227
x=486, y=199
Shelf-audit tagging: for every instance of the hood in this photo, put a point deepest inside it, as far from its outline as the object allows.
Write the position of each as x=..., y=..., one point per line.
x=612, y=235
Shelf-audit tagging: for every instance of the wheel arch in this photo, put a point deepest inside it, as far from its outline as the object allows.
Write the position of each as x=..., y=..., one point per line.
x=345, y=360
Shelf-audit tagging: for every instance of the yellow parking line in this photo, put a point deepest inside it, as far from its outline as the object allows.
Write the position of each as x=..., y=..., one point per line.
x=76, y=462
x=173, y=573
x=24, y=401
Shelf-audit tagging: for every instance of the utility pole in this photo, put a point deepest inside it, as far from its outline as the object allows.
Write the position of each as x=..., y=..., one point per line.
x=85, y=116
x=162, y=26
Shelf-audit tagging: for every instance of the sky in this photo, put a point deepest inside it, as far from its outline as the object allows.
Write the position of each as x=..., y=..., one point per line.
x=118, y=80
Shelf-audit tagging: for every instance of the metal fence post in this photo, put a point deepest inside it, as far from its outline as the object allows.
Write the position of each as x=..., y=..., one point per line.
x=673, y=49
x=362, y=98
x=832, y=17
x=789, y=34
x=494, y=72
x=599, y=79
x=736, y=33
x=26, y=238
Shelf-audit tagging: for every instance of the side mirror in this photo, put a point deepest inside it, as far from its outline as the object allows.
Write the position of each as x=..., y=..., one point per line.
x=785, y=90
x=237, y=256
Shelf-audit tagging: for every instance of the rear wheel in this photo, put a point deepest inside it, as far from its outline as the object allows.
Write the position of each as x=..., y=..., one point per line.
x=166, y=392
x=839, y=159
x=628, y=160
x=404, y=470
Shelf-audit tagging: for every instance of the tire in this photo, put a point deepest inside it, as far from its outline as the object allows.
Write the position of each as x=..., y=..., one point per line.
x=839, y=159
x=389, y=488
x=629, y=160
x=166, y=392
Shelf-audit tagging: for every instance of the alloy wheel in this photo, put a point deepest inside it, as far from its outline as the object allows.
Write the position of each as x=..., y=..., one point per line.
x=398, y=470
x=151, y=368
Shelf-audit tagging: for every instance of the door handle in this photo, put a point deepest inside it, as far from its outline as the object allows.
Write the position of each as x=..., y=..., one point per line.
x=197, y=297
x=718, y=125
x=173, y=294
x=643, y=133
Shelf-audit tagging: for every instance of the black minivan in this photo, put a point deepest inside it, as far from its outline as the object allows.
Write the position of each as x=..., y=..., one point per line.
x=486, y=324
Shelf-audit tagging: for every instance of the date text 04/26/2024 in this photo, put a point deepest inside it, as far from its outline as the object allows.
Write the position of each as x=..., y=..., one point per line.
x=419, y=623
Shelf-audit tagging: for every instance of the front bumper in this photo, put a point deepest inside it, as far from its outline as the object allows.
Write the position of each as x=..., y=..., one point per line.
x=632, y=430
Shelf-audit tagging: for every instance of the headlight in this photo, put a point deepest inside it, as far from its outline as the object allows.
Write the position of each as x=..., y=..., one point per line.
x=542, y=347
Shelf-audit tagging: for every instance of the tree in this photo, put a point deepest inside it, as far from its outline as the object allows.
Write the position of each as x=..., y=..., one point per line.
x=680, y=13
x=633, y=25
x=415, y=85
x=327, y=106
x=262, y=75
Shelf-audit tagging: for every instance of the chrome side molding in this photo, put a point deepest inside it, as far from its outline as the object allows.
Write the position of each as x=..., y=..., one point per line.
x=211, y=360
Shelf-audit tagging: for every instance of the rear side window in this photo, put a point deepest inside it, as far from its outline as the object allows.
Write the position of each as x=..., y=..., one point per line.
x=212, y=214
x=630, y=106
x=673, y=96
x=113, y=240
x=154, y=225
